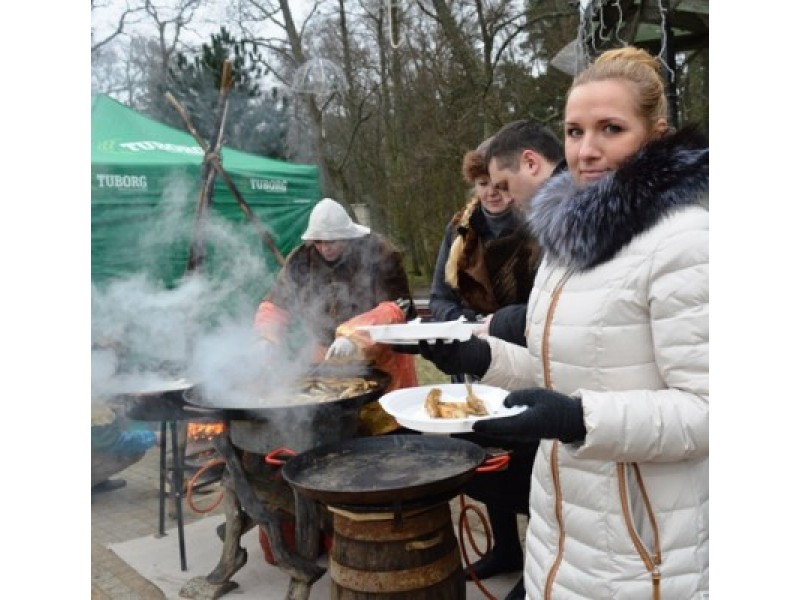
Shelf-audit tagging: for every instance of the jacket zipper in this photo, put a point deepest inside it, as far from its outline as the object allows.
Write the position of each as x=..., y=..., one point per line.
x=651, y=562
x=548, y=383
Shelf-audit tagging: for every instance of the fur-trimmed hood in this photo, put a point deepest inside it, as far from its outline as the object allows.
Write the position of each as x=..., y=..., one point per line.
x=583, y=227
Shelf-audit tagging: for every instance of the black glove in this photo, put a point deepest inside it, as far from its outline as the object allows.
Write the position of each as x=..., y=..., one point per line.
x=470, y=315
x=405, y=348
x=550, y=415
x=471, y=357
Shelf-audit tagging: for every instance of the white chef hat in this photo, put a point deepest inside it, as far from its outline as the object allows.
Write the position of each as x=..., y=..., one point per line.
x=329, y=221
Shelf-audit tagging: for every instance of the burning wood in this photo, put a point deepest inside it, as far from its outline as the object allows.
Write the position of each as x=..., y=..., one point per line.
x=198, y=432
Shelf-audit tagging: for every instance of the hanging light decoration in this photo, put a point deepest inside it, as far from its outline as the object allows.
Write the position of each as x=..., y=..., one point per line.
x=393, y=8
x=320, y=78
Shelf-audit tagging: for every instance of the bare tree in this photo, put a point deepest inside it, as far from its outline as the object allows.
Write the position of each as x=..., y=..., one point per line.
x=127, y=17
x=426, y=80
x=258, y=17
x=170, y=23
x=146, y=36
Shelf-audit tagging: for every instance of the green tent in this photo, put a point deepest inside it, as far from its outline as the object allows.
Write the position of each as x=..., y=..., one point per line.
x=146, y=181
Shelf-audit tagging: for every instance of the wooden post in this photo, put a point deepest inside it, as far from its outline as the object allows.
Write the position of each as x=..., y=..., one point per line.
x=197, y=249
x=215, y=162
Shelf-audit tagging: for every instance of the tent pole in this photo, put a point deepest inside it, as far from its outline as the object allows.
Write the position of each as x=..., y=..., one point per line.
x=197, y=249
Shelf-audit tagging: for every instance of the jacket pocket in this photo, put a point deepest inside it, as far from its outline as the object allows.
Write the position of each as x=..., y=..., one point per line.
x=650, y=558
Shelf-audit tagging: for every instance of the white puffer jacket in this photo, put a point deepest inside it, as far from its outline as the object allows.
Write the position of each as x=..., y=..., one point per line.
x=619, y=317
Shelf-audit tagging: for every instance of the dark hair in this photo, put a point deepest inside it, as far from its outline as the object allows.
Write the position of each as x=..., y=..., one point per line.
x=525, y=134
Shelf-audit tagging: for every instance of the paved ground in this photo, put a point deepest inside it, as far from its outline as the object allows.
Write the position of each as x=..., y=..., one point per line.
x=125, y=514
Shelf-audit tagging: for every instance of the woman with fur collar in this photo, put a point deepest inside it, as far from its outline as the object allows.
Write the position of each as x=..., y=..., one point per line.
x=614, y=379
x=487, y=258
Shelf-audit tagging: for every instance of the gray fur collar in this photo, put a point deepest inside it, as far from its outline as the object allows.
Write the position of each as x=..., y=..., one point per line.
x=581, y=228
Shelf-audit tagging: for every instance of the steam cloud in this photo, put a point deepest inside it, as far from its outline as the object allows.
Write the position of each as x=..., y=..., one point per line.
x=146, y=335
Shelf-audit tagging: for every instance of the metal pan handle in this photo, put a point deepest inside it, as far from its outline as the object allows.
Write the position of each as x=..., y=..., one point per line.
x=494, y=463
x=201, y=411
x=279, y=456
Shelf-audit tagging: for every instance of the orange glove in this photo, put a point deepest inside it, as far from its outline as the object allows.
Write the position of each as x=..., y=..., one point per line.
x=271, y=321
x=373, y=420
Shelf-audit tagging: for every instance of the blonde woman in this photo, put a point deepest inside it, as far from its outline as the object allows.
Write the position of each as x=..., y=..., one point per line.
x=615, y=373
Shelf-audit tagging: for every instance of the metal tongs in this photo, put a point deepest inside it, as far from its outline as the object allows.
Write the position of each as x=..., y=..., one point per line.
x=473, y=402
x=468, y=383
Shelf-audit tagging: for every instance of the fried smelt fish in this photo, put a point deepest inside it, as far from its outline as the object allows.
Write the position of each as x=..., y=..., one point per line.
x=432, y=403
x=453, y=410
x=437, y=409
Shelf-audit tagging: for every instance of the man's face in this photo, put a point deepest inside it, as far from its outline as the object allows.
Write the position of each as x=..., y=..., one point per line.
x=332, y=250
x=517, y=181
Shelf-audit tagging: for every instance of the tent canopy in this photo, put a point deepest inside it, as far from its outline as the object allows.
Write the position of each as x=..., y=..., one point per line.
x=146, y=179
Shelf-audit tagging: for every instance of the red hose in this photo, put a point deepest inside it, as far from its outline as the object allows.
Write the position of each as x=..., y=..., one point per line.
x=190, y=487
x=463, y=525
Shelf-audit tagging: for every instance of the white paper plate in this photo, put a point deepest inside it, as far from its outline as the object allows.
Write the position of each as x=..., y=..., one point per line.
x=407, y=405
x=414, y=332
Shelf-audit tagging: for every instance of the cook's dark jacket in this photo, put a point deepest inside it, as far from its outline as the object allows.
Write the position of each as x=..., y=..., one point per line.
x=322, y=295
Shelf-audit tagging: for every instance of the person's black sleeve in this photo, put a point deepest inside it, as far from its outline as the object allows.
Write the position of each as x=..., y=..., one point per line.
x=391, y=280
x=508, y=323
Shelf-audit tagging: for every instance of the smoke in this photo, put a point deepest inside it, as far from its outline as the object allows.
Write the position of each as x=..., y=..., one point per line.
x=148, y=333
x=147, y=326
x=236, y=368
x=104, y=366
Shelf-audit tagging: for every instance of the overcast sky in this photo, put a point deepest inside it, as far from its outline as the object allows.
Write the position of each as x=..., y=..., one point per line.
x=208, y=19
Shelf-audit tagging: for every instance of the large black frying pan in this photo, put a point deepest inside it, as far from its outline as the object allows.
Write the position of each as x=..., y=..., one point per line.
x=166, y=404
x=385, y=470
x=289, y=423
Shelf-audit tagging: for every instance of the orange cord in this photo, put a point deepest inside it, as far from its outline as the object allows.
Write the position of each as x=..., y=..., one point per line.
x=463, y=525
x=190, y=487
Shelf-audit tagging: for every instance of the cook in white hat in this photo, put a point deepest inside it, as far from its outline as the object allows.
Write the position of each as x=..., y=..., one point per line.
x=329, y=226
